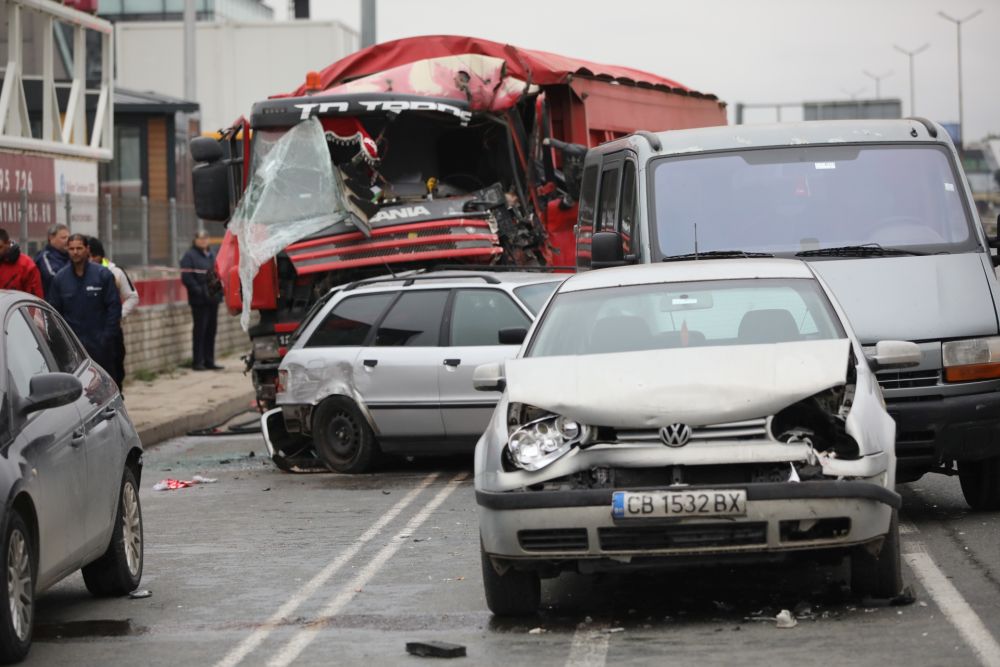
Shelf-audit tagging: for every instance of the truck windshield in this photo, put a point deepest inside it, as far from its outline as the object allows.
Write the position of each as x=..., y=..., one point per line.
x=803, y=199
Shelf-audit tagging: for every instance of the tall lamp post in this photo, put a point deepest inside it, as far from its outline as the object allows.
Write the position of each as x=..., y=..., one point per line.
x=853, y=94
x=958, y=25
x=910, y=54
x=878, y=82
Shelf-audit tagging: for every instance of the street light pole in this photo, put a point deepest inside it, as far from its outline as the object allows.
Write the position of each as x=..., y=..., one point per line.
x=958, y=26
x=910, y=54
x=853, y=94
x=878, y=81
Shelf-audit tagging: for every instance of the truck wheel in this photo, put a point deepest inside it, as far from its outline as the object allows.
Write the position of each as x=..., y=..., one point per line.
x=17, y=577
x=119, y=570
x=981, y=483
x=878, y=576
x=343, y=438
x=513, y=593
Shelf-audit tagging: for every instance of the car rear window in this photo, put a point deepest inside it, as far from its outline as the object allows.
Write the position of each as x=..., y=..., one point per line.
x=350, y=321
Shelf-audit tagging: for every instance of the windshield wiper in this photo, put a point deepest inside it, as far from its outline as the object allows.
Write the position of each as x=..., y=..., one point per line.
x=866, y=250
x=715, y=254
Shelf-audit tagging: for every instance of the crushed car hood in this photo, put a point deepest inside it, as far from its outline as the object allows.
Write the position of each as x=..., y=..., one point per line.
x=912, y=298
x=694, y=386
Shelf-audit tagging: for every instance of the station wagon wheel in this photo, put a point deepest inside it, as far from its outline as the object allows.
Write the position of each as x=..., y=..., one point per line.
x=18, y=572
x=119, y=570
x=343, y=439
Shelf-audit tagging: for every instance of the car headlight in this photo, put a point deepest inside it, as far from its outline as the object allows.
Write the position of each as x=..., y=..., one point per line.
x=542, y=441
x=971, y=359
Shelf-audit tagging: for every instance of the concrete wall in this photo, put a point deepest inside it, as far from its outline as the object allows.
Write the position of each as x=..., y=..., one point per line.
x=158, y=337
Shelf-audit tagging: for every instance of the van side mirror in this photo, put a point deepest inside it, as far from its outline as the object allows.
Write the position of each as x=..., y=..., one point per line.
x=606, y=250
x=893, y=354
x=51, y=390
x=489, y=377
x=512, y=335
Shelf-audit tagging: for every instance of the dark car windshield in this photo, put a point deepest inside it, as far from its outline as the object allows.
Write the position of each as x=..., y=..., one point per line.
x=807, y=198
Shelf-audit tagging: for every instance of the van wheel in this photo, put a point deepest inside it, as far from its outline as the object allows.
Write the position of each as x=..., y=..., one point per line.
x=981, y=483
x=343, y=438
x=119, y=570
x=513, y=593
x=17, y=577
x=878, y=576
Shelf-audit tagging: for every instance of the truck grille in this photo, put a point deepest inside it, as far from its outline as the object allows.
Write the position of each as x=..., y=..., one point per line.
x=639, y=538
x=909, y=379
x=553, y=539
x=752, y=429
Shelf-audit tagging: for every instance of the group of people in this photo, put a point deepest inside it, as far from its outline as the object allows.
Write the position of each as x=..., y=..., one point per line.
x=94, y=295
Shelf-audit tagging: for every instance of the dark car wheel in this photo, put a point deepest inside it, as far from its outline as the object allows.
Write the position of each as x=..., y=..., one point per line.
x=513, y=593
x=18, y=573
x=343, y=439
x=981, y=483
x=878, y=576
x=119, y=570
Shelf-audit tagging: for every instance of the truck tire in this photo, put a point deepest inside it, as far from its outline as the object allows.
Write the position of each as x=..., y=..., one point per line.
x=981, y=483
x=513, y=593
x=17, y=578
x=878, y=576
x=119, y=570
x=343, y=439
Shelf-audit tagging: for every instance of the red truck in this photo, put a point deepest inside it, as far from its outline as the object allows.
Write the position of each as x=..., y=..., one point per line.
x=442, y=150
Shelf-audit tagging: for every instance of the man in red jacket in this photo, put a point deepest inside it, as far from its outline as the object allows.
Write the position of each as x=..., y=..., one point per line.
x=17, y=270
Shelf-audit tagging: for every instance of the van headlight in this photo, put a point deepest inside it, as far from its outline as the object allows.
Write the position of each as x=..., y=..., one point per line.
x=971, y=359
x=544, y=440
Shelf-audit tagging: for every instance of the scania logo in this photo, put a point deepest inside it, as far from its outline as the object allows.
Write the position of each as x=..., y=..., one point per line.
x=675, y=435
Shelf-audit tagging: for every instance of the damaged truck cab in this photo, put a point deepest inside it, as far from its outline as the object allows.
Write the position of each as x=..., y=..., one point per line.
x=408, y=155
x=883, y=213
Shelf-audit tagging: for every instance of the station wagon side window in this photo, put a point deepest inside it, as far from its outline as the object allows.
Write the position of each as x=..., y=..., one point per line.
x=626, y=216
x=479, y=314
x=25, y=358
x=608, y=203
x=349, y=322
x=65, y=350
x=414, y=320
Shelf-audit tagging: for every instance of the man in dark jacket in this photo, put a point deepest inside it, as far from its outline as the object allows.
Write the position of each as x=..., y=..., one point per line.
x=53, y=257
x=17, y=271
x=85, y=295
x=196, y=264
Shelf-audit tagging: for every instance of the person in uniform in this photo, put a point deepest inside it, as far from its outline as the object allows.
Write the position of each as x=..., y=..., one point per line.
x=195, y=266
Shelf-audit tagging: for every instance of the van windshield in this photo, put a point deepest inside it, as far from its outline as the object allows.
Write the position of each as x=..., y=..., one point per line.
x=808, y=198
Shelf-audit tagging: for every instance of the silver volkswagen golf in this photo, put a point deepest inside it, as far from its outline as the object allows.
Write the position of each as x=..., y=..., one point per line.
x=714, y=407
x=385, y=365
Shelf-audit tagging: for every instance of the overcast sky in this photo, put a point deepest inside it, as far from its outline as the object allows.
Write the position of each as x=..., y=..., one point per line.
x=753, y=51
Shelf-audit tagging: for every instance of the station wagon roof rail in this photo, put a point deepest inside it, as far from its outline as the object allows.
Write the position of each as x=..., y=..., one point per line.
x=409, y=280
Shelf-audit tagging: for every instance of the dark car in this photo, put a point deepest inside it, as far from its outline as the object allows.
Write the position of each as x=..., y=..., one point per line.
x=70, y=462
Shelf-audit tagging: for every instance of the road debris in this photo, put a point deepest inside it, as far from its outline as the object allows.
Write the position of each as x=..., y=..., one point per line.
x=536, y=631
x=140, y=594
x=612, y=631
x=435, y=649
x=784, y=619
x=174, y=484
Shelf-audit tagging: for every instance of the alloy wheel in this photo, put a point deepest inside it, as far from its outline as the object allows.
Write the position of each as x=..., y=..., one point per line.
x=131, y=529
x=19, y=585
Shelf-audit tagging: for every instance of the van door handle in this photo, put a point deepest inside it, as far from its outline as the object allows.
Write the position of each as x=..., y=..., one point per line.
x=452, y=362
x=79, y=435
x=371, y=363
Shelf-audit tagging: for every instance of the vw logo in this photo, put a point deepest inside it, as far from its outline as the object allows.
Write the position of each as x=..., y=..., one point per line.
x=675, y=435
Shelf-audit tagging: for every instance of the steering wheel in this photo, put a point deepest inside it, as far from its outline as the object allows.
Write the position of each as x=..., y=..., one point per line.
x=896, y=229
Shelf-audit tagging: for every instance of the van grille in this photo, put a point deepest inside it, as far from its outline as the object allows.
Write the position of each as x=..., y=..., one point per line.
x=909, y=379
x=553, y=539
x=639, y=538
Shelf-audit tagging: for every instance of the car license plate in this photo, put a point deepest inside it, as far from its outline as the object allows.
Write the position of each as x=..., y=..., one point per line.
x=696, y=502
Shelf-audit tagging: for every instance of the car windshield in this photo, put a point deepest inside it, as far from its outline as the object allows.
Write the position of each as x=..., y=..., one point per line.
x=534, y=296
x=803, y=199
x=694, y=314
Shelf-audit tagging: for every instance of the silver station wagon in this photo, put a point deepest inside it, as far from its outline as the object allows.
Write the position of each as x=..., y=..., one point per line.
x=721, y=408
x=385, y=365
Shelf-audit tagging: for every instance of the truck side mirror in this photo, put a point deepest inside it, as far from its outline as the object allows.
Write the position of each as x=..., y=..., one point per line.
x=206, y=149
x=606, y=250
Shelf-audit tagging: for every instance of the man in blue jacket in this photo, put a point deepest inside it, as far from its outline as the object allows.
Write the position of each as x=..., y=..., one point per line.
x=51, y=259
x=197, y=262
x=85, y=295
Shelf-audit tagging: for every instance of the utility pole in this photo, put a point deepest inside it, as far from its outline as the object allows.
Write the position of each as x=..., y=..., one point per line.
x=958, y=25
x=878, y=82
x=910, y=54
x=367, y=23
x=190, y=87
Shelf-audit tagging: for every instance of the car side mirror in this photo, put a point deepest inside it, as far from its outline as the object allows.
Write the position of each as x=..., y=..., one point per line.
x=489, y=377
x=512, y=335
x=606, y=250
x=51, y=390
x=890, y=354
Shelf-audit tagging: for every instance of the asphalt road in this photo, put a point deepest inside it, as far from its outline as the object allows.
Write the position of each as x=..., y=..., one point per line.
x=264, y=567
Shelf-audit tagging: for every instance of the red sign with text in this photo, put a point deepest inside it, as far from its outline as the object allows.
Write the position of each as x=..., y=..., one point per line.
x=35, y=177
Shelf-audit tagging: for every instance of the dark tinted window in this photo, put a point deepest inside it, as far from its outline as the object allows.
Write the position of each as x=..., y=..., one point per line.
x=65, y=350
x=609, y=199
x=534, y=296
x=350, y=321
x=25, y=358
x=588, y=195
x=626, y=216
x=479, y=314
x=414, y=320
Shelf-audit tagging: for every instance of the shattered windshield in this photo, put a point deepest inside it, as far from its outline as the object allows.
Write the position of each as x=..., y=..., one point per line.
x=808, y=198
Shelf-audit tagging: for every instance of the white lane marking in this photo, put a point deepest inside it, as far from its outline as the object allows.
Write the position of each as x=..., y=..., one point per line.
x=306, y=635
x=955, y=608
x=589, y=647
x=235, y=656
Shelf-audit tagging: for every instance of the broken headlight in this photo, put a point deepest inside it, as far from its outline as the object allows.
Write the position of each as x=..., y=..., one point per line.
x=819, y=421
x=544, y=439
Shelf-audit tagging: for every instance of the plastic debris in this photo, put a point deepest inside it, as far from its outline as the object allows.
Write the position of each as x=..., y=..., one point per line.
x=785, y=619
x=434, y=649
x=140, y=594
x=612, y=631
x=174, y=484
x=794, y=475
x=536, y=631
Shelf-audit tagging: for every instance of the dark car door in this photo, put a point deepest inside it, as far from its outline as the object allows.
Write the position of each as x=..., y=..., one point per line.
x=100, y=409
x=50, y=442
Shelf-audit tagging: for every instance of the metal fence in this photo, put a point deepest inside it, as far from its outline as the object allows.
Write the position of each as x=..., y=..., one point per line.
x=134, y=230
